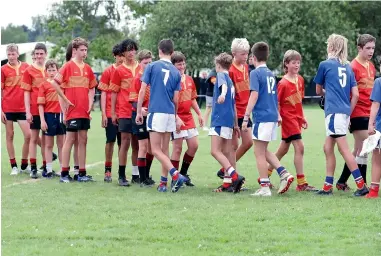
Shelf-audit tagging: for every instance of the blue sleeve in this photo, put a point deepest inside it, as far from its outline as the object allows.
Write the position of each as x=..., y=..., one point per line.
x=320, y=78
x=221, y=79
x=376, y=92
x=254, y=81
x=146, y=77
x=352, y=80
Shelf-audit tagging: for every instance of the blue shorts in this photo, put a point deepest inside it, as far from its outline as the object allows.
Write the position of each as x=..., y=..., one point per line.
x=55, y=127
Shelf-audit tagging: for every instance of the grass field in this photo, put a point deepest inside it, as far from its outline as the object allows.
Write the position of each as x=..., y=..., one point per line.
x=45, y=217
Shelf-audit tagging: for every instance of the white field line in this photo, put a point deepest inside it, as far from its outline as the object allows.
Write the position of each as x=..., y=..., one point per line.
x=29, y=181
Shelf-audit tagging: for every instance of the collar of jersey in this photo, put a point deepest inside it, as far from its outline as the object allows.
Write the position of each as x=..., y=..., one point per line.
x=262, y=66
x=166, y=60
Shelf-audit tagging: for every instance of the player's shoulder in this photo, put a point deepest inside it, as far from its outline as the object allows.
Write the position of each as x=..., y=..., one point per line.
x=377, y=82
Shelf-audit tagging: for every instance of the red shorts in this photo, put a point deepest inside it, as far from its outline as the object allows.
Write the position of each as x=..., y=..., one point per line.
x=291, y=127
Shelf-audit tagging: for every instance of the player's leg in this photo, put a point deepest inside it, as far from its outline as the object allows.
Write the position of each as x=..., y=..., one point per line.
x=83, y=127
x=70, y=138
x=60, y=141
x=42, y=138
x=142, y=162
x=149, y=159
x=123, y=151
x=329, y=151
x=9, y=132
x=111, y=134
x=49, y=144
x=33, y=152
x=352, y=165
x=282, y=150
x=177, y=148
x=25, y=129
x=217, y=153
x=75, y=157
x=192, y=144
x=247, y=143
x=208, y=110
x=376, y=173
x=134, y=159
x=302, y=184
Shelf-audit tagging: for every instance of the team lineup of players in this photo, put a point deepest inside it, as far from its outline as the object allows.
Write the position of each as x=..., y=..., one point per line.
x=147, y=104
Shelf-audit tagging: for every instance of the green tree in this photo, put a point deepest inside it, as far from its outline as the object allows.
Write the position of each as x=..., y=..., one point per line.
x=14, y=34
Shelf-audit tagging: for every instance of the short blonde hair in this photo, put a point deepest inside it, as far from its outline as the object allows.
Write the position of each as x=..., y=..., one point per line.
x=289, y=56
x=337, y=47
x=12, y=48
x=240, y=44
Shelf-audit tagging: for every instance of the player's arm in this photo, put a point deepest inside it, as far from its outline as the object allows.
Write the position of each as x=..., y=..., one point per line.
x=58, y=89
x=250, y=105
x=372, y=118
x=91, y=99
x=141, y=95
x=41, y=108
x=103, y=102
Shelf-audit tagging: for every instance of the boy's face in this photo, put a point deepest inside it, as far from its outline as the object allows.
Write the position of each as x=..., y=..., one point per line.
x=181, y=66
x=40, y=56
x=12, y=57
x=241, y=56
x=52, y=71
x=251, y=60
x=130, y=55
x=81, y=52
x=367, y=51
x=293, y=66
x=119, y=59
x=145, y=62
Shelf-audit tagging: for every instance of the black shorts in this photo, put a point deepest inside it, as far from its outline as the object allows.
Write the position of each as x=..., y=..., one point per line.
x=77, y=124
x=359, y=124
x=36, y=123
x=125, y=125
x=140, y=130
x=240, y=121
x=292, y=137
x=112, y=133
x=335, y=136
x=55, y=127
x=15, y=116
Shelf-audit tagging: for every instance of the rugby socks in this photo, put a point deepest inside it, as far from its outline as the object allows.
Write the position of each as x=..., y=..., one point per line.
x=358, y=178
x=175, y=164
x=187, y=160
x=328, y=183
x=44, y=164
x=149, y=159
x=375, y=187
x=362, y=163
x=13, y=162
x=49, y=167
x=122, y=171
x=108, y=166
x=142, y=166
x=174, y=173
x=281, y=171
x=76, y=169
x=163, y=181
x=265, y=182
x=33, y=164
x=301, y=179
x=232, y=173
x=227, y=182
x=344, y=175
x=82, y=172
x=24, y=164
x=65, y=171
x=135, y=172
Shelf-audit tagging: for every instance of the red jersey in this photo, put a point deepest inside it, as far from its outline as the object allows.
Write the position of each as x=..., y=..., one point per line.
x=76, y=80
x=290, y=96
x=31, y=81
x=240, y=78
x=135, y=89
x=48, y=97
x=104, y=84
x=11, y=91
x=121, y=82
x=365, y=79
x=187, y=94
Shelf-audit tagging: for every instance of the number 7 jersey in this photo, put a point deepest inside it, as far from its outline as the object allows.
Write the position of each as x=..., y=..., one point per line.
x=262, y=80
x=338, y=81
x=164, y=80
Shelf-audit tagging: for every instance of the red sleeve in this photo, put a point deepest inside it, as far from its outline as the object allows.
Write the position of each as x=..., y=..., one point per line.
x=2, y=79
x=194, y=90
x=92, y=79
x=280, y=93
x=62, y=76
x=115, y=82
x=105, y=80
x=41, y=95
x=302, y=89
x=26, y=82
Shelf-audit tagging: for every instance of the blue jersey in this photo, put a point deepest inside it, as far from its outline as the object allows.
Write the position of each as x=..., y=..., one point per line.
x=338, y=81
x=376, y=97
x=223, y=114
x=262, y=80
x=164, y=79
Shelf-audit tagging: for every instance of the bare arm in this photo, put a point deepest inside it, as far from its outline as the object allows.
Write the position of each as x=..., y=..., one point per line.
x=142, y=94
x=103, y=102
x=41, y=112
x=60, y=92
x=355, y=97
x=113, y=103
x=91, y=99
x=372, y=118
x=319, y=90
x=196, y=107
x=27, y=101
x=176, y=101
x=251, y=104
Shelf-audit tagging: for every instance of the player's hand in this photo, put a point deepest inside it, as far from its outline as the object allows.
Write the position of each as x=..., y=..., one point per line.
x=237, y=132
x=244, y=125
x=371, y=129
x=144, y=111
x=279, y=120
x=201, y=120
x=179, y=123
x=304, y=124
x=104, y=121
x=29, y=117
x=139, y=119
x=44, y=126
x=3, y=118
x=221, y=99
x=66, y=104
x=114, y=119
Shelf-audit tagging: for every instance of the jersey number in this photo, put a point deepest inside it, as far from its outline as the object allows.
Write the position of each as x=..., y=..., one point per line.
x=342, y=76
x=166, y=75
x=270, y=84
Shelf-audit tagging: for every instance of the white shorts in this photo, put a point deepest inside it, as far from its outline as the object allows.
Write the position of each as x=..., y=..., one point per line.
x=186, y=134
x=161, y=122
x=337, y=124
x=221, y=131
x=209, y=101
x=265, y=131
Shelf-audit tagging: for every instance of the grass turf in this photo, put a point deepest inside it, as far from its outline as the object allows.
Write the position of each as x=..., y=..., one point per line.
x=45, y=217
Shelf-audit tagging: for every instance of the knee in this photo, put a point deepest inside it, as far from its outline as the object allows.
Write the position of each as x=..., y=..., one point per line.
x=193, y=149
x=328, y=150
x=34, y=139
x=299, y=149
x=177, y=149
x=214, y=152
x=247, y=144
x=10, y=135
